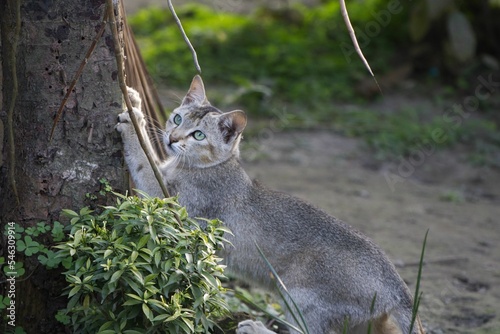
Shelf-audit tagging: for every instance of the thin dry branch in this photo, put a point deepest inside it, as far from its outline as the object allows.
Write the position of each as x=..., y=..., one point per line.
x=139, y=78
x=352, y=34
x=123, y=87
x=78, y=74
x=186, y=39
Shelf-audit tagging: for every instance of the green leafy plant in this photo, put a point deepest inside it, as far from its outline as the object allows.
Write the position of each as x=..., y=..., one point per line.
x=135, y=269
x=99, y=196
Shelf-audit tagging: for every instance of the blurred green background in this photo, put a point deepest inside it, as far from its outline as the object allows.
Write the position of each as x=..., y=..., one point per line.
x=298, y=57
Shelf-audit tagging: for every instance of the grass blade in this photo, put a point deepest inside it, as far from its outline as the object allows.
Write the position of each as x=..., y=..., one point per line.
x=418, y=294
x=372, y=308
x=302, y=323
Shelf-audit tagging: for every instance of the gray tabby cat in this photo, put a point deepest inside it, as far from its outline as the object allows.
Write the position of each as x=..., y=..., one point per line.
x=331, y=270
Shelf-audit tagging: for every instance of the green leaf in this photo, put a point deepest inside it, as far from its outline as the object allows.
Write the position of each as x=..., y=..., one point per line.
x=86, y=301
x=189, y=323
x=161, y=317
x=133, y=285
x=157, y=258
x=85, y=211
x=132, y=302
x=133, y=256
x=116, y=276
x=185, y=327
x=18, y=270
x=150, y=277
x=131, y=295
x=62, y=317
x=67, y=262
x=21, y=246
x=57, y=231
x=4, y=302
x=143, y=241
x=74, y=291
x=50, y=260
x=70, y=213
x=147, y=312
x=107, y=253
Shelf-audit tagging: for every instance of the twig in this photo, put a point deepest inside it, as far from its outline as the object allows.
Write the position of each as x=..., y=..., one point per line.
x=352, y=34
x=123, y=87
x=139, y=78
x=78, y=73
x=186, y=39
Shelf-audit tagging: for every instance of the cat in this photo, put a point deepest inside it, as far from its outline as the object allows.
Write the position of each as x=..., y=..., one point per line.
x=332, y=272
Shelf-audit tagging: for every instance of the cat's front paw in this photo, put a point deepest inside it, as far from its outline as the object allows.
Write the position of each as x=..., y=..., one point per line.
x=125, y=126
x=135, y=98
x=252, y=327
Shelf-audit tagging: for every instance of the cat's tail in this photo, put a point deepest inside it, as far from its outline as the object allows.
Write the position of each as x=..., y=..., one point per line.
x=397, y=321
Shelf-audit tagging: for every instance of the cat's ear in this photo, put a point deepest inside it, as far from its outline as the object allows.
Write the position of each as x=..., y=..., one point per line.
x=231, y=124
x=196, y=92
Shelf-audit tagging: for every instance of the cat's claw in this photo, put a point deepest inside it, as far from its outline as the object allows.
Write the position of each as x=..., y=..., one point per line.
x=124, y=121
x=252, y=327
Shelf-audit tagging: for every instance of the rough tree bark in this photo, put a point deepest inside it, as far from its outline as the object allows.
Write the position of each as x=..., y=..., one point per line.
x=39, y=178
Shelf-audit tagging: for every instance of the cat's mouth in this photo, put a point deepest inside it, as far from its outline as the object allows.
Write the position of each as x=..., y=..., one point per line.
x=173, y=149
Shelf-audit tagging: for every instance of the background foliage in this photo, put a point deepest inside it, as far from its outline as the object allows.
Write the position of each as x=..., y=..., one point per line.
x=300, y=58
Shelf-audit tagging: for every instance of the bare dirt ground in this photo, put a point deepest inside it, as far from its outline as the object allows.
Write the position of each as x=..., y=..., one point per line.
x=395, y=205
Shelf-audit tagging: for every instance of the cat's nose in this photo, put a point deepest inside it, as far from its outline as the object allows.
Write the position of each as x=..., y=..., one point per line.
x=172, y=139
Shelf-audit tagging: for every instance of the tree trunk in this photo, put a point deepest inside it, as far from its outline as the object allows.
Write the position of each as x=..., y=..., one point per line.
x=43, y=44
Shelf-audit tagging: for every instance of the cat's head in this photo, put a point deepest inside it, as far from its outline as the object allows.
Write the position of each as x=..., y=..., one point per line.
x=200, y=135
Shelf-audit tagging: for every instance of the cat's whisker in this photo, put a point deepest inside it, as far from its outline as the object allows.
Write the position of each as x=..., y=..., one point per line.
x=152, y=122
x=159, y=131
x=175, y=162
x=184, y=158
x=189, y=162
x=158, y=138
x=176, y=98
x=158, y=128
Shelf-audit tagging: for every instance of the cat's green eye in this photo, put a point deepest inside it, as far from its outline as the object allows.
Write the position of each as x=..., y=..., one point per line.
x=198, y=135
x=177, y=119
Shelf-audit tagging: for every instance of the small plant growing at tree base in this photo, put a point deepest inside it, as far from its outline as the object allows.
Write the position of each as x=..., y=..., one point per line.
x=136, y=269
